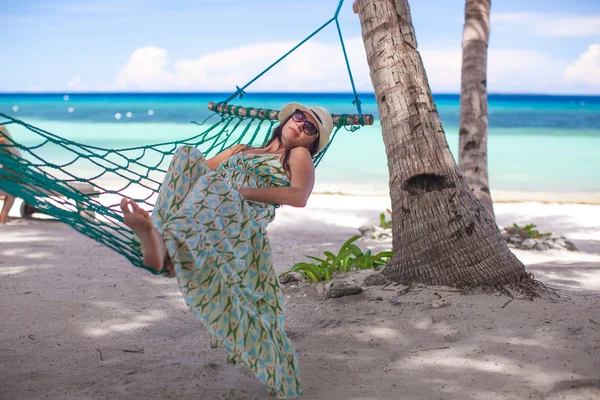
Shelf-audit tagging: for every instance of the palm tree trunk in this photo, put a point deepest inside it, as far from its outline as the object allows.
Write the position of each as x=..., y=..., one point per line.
x=472, y=150
x=442, y=233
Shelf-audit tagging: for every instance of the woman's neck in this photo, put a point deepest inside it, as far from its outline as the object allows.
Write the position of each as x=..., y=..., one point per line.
x=275, y=147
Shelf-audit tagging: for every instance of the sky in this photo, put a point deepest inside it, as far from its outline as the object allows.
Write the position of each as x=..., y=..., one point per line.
x=536, y=46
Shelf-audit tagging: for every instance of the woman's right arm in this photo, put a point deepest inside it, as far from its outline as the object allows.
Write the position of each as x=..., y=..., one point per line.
x=214, y=162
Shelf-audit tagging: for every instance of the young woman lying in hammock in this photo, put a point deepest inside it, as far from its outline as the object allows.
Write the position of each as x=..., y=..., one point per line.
x=208, y=228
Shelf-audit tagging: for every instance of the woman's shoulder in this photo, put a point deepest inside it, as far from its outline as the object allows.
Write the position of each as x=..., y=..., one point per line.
x=300, y=156
x=300, y=152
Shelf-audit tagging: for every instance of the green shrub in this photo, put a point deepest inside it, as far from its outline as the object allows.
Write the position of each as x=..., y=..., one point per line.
x=385, y=224
x=350, y=256
x=533, y=233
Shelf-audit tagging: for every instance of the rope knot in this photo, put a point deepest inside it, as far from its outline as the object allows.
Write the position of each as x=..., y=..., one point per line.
x=358, y=103
x=239, y=92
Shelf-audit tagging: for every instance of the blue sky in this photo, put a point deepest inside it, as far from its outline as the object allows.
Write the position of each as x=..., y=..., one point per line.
x=536, y=46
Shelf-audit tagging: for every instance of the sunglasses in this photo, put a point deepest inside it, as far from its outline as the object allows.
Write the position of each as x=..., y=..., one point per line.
x=308, y=127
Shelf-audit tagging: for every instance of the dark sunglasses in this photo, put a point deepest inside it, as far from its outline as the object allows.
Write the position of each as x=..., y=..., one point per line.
x=308, y=127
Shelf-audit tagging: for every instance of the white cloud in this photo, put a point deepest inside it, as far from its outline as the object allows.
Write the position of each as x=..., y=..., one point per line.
x=545, y=24
x=76, y=85
x=521, y=71
x=443, y=68
x=315, y=66
x=586, y=69
x=146, y=69
x=320, y=67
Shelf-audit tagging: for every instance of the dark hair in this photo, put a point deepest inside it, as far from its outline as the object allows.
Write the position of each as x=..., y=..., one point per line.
x=276, y=135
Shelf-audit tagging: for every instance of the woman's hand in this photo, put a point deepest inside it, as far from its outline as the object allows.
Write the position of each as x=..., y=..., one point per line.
x=355, y=7
x=243, y=192
x=213, y=163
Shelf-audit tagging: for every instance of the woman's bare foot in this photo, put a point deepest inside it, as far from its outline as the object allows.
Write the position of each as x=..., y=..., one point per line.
x=154, y=251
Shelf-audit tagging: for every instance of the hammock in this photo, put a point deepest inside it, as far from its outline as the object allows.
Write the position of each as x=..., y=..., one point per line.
x=46, y=174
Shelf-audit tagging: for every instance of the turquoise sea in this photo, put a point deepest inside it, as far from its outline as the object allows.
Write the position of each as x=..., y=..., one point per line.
x=536, y=143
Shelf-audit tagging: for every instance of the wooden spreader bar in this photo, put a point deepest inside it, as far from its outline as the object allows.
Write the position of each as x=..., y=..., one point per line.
x=249, y=112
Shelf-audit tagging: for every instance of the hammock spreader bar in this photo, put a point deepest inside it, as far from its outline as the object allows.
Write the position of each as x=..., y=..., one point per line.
x=262, y=113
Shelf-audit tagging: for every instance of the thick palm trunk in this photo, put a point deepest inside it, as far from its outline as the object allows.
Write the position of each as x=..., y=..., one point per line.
x=442, y=233
x=472, y=150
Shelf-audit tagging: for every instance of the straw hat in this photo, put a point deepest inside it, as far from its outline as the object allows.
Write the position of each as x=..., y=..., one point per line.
x=321, y=115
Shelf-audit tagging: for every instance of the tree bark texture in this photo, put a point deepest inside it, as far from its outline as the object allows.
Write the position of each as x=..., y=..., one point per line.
x=442, y=233
x=473, y=132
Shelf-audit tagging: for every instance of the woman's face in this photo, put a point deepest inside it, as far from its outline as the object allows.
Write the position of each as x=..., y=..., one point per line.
x=296, y=132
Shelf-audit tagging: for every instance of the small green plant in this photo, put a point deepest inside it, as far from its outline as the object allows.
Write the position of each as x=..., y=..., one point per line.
x=348, y=257
x=385, y=224
x=533, y=233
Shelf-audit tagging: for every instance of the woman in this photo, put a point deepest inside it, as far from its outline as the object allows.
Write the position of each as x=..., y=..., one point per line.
x=208, y=228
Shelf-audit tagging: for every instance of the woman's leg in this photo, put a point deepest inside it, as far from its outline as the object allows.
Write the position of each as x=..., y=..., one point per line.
x=187, y=166
x=6, y=206
x=154, y=252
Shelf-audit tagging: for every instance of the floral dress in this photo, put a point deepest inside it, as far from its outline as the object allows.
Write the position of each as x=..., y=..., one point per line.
x=223, y=262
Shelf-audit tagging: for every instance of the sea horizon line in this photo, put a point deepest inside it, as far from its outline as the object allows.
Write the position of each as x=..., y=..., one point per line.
x=333, y=94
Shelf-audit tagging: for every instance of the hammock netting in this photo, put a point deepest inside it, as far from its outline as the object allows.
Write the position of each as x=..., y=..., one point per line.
x=82, y=185
x=47, y=174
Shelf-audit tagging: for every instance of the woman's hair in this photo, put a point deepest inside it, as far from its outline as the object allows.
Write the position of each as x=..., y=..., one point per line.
x=276, y=135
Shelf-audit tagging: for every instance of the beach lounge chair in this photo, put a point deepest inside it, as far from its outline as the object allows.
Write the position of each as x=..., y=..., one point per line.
x=83, y=188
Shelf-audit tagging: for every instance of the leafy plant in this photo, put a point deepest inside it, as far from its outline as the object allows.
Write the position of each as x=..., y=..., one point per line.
x=348, y=257
x=533, y=233
x=385, y=224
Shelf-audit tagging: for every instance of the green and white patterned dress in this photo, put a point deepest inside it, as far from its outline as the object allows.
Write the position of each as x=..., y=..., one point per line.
x=223, y=262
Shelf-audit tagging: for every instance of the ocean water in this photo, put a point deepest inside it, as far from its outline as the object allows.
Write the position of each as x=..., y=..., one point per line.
x=536, y=143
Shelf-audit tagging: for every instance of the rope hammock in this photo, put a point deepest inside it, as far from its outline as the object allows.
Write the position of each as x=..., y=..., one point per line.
x=47, y=175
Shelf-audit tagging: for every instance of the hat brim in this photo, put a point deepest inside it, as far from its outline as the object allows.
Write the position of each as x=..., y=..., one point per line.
x=290, y=108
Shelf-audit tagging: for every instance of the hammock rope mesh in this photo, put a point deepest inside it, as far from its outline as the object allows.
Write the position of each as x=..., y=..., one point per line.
x=47, y=174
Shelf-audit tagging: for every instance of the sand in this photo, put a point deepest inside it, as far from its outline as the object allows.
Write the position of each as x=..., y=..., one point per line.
x=79, y=322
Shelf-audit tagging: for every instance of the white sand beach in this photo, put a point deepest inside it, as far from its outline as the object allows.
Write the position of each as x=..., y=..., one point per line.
x=79, y=322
